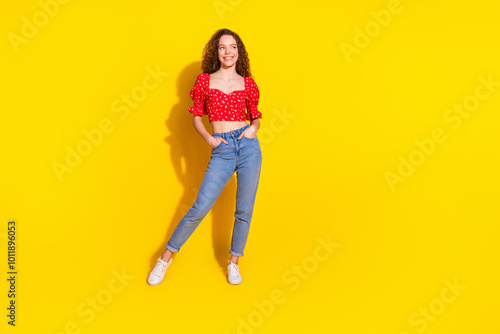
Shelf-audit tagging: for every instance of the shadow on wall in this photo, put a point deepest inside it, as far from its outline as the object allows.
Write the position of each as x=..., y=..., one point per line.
x=190, y=155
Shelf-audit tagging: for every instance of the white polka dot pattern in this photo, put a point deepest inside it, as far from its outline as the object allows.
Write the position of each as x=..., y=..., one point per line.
x=220, y=106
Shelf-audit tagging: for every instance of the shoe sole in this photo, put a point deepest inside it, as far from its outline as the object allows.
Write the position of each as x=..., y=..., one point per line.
x=234, y=283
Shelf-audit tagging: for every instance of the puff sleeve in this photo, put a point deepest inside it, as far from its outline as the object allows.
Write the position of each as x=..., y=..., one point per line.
x=198, y=94
x=253, y=101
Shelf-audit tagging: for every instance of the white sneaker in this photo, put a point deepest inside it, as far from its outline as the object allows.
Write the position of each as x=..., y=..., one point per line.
x=233, y=273
x=158, y=273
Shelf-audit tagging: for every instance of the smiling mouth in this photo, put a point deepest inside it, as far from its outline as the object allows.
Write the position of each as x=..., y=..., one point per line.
x=228, y=58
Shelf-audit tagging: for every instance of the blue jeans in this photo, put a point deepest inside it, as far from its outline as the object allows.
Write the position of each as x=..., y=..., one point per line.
x=242, y=156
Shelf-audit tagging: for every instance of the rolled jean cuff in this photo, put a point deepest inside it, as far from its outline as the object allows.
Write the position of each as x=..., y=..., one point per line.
x=172, y=249
x=235, y=254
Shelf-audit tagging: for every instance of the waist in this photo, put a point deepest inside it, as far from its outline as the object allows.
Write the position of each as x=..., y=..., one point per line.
x=233, y=132
x=227, y=126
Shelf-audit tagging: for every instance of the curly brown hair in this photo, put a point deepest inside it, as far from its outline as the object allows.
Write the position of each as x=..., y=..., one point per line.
x=210, y=59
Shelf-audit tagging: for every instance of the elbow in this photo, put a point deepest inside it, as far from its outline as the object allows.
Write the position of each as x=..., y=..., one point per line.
x=196, y=119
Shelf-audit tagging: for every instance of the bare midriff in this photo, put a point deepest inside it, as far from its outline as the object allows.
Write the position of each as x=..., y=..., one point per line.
x=225, y=126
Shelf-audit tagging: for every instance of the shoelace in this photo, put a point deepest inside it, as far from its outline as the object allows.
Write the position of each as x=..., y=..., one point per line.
x=158, y=269
x=235, y=267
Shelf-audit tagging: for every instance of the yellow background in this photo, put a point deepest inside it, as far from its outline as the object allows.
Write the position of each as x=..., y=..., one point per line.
x=348, y=121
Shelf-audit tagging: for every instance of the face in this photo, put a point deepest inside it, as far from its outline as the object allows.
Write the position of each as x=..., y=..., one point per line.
x=228, y=51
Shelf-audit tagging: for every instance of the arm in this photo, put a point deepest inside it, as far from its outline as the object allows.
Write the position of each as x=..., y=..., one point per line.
x=211, y=140
x=253, y=113
x=251, y=131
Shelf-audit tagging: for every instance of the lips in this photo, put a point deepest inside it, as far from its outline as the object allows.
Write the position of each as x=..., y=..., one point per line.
x=228, y=58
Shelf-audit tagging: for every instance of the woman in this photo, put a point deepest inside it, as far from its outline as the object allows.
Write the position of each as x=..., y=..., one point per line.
x=223, y=91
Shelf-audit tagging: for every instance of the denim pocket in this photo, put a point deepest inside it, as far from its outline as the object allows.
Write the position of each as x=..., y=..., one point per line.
x=250, y=138
x=220, y=143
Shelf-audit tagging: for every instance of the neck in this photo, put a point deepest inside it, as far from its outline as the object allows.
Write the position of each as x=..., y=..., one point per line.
x=227, y=73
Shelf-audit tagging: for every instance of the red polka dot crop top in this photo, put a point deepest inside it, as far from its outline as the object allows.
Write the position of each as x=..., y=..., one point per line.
x=220, y=106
